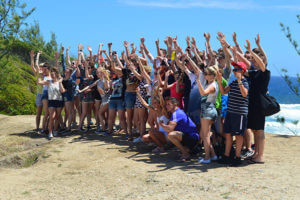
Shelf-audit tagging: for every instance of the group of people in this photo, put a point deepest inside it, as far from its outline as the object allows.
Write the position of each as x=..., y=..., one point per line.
x=184, y=96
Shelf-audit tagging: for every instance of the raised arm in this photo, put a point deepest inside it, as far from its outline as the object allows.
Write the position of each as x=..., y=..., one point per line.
x=100, y=53
x=126, y=48
x=149, y=55
x=157, y=47
x=239, y=49
x=68, y=57
x=37, y=64
x=257, y=41
x=210, y=89
x=257, y=59
x=88, y=87
x=221, y=88
x=63, y=64
x=34, y=70
x=144, y=103
x=144, y=73
x=109, y=48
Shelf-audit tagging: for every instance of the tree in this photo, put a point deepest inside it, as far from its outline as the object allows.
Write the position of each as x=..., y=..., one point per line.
x=293, y=86
x=12, y=17
x=32, y=36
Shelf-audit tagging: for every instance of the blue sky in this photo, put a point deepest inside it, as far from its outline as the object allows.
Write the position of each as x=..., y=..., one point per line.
x=101, y=21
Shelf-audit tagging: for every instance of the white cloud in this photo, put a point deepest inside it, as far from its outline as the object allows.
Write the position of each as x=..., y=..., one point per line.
x=218, y=4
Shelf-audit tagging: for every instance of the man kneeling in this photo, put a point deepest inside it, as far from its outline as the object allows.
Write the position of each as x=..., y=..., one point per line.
x=182, y=131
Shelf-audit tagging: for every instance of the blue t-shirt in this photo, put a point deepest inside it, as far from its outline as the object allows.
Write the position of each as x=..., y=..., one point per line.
x=184, y=123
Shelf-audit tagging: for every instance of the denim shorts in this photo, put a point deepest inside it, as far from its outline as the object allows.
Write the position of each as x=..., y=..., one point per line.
x=38, y=100
x=208, y=111
x=87, y=97
x=67, y=97
x=116, y=104
x=130, y=98
x=45, y=95
x=55, y=104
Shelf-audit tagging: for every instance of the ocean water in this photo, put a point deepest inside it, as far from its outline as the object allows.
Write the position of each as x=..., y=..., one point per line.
x=290, y=108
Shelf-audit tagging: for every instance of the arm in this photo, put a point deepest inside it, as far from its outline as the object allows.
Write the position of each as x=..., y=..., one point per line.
x=91, y=52
x=149, y=55
x=37, y=64
x=257, y=41
x=157, y=47
x=100, y=53
x=168, y=128
x=68, y=57
x=88, y=87
x=169, y=47
x=61, y=87
x=132, y=69
x=221, y=88
x=239, y=49
x=166, y=85
x=144, y=73
x=126, y=48
x=34, y=70
x=244, y=91
x=142, y=100
x=63, y=64
x=206, y=91
x=109, y=48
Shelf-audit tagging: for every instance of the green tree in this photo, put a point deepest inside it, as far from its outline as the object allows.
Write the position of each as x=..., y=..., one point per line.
x=295, y=87
x=33, y=36
x=12, y=16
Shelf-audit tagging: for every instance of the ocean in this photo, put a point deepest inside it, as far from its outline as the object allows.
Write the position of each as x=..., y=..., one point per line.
x=289, y=105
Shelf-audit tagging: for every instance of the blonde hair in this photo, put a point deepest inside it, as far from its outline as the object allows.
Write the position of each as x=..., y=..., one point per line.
x=212, y=70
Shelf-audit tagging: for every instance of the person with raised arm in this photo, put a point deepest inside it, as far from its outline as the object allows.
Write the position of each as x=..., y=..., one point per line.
x=149, y=55
x=56, y=104
x=208, y=114
x=37, y=71
x=259, y=80
x=237, y=111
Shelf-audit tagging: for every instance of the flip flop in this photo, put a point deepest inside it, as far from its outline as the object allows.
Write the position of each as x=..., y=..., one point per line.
x=255, y=162
x=182, y=159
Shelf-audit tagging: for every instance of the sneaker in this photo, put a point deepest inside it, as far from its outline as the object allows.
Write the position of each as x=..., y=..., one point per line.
x=74, y=125
x=138, y=140
x=158, y=150
x=225, y=160
x=247, y=154
x=214, y=158
x=55, y=134
x=50, y=136
x=91, y=123
x=236, y=161
x=201, y=160
x=105, y=134
x=82, y=130
x=99, y=130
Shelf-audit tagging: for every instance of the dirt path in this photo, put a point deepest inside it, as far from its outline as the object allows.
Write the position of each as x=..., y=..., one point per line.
x=92, y=167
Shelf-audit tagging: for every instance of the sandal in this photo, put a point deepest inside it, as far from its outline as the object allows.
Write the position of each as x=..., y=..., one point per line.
x=251, y=161
x=158, y=150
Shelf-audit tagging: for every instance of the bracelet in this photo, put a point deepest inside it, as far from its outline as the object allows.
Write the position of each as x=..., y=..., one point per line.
x=228, y=47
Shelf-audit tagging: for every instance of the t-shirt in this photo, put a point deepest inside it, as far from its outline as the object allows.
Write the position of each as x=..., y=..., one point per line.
x=54, y=92
x=195, y=97
x=171, y=80
x=177, y=95
x=236, y=102
x=118, y=88
x=69, y=86
x=49, y=79
x=219, y=96
x=184, y=123
x=259, y=84
x=106, y=95
x=211, y=98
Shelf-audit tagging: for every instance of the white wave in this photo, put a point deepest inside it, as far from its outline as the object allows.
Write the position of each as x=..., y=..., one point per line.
x=291, y=113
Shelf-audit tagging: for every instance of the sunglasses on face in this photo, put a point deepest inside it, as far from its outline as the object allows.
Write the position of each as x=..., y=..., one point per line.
x=237, y=69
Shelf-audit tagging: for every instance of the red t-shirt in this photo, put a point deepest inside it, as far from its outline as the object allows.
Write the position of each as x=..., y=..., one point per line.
x=178, y=96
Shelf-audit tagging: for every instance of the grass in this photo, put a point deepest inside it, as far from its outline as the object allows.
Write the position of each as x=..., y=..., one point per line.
x=12, y=144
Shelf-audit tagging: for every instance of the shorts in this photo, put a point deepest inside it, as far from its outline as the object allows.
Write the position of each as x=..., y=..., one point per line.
x=256, y=120
x=38, y=100
x=55, y=104
x=208, y=111
x=130, y=100
x=224, y=101
x=190, y=140
x=87, y=97
x=97, y=96
x=116, y=104
x=45, y=95
x=67, y=97
x=235, y=124
x=195, y=116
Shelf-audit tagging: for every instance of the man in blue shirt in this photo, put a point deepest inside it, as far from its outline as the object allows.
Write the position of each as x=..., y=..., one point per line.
x=182, y=131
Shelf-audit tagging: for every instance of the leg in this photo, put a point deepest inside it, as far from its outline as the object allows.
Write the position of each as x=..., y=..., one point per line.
x=176, y=137
x=83, y=113
x=68, y=108
x=129, y=112
x=239, y=144
x=205, y=127
x=51, y=119
x=142, y=122
x=111, y=119
x=57, y=118
x=228, y=144
x=46, y=113
x=39, y=110
x=260, y=134
x=121, y=114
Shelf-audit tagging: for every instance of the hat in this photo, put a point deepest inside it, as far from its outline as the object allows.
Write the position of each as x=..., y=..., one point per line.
x=240, y=65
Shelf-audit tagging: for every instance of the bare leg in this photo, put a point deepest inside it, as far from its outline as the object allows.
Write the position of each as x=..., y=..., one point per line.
x=121, y=114
x=46, y=113
x=39, y=111
x=176, y=137
x=111, y=119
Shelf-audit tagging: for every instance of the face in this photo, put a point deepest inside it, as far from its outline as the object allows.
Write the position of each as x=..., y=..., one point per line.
x=53, y=75
x=237, y=71
x=208, y=76
x=99, y=74
x=170, y=106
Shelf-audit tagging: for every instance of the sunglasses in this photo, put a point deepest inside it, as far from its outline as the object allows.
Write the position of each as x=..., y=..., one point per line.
x=237, y=69
x=206, y=74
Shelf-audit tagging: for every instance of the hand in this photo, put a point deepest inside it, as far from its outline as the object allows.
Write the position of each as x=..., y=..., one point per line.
x=109, y=44
x=89, y=48
x=142, y=40
x=31, y=53
x=80, y=47
x=221, y=35
x=101, y=44
x=62, y=49
x=157, y=42
x=56, y=55
x=238, y=76
x=193, y=41
x=166, y=41
x=187, y=39
x=39, y=52
x=123, y=54
x=68, y=49
x=207, y=36
x=248, y=46
x=126, y=44
x=233, y=49
x=79, y=91
x=138, y=90
x=257, y=40
x=170, y=41
x=132, y=45
x=219, y=77
x=175, y=39
x=104, y=51
x=234, y=37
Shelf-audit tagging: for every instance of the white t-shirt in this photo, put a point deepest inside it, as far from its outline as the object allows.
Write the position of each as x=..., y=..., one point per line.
x=211, y=98
x=54, y=92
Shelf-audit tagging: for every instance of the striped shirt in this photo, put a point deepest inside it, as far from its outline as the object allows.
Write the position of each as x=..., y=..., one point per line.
x=236, y=102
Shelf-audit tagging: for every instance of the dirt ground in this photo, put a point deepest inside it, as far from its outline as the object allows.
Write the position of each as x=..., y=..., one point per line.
x=88, y=166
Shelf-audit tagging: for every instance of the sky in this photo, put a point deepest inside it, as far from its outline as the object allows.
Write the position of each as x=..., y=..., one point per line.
x=92, y=22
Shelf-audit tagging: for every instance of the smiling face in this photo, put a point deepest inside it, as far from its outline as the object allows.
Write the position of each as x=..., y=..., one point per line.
x=171, y=105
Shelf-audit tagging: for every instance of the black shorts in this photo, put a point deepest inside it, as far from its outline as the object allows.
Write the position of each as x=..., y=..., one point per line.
x=97, y=96
x=256, y=121
x=235, y=124
x=189, y=141
x=55, y=104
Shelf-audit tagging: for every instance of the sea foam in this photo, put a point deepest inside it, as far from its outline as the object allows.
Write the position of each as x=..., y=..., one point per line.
x=291, y=113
